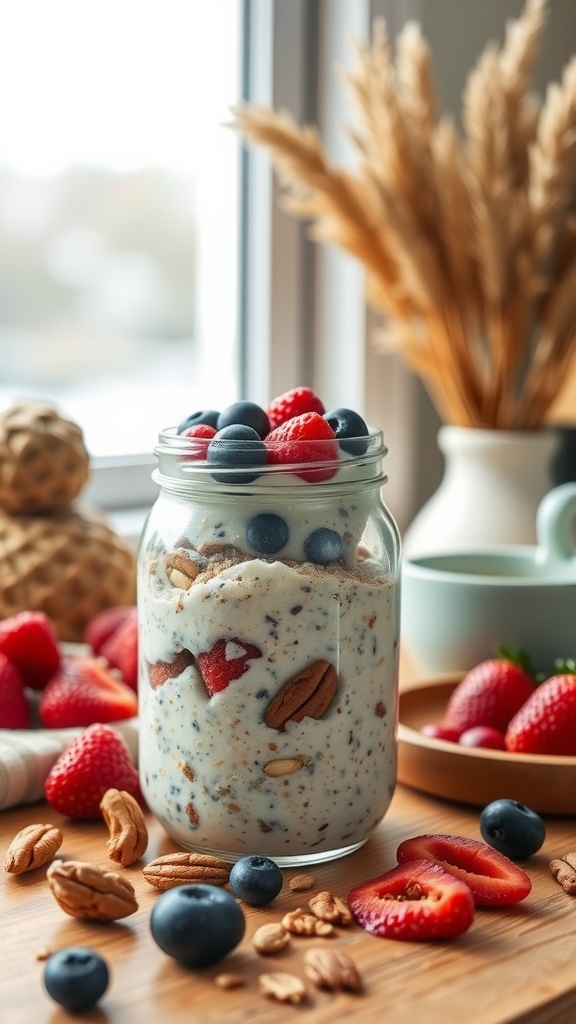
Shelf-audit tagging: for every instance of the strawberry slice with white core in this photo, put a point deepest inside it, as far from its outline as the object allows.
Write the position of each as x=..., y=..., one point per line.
x=415, y=901
x=495, y=880
x=226, y=661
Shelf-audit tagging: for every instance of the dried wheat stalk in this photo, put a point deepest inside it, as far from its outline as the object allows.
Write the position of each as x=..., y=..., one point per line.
x=469, y=244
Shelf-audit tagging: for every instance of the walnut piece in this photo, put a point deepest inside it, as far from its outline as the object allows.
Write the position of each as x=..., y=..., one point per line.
x=31, y=847
x=283, y=987
x=127, y=826
x=186, y=869
x=329, y=969
x=300, y=922
x=85, y=891
x=270, y=938
x=330, y=908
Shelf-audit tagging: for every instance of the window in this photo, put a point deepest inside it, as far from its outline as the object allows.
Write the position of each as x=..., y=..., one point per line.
x=119, y=211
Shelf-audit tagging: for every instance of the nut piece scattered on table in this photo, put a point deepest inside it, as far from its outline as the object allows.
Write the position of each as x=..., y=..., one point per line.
x=270, y=938
x=86, y=891
x=300, y=922
x=329, y=969
x=564, y=871
x=300, y=883
x=186, y=869
x=283, y=987
x=31, y=847
x=127, y=826
x=331, y=908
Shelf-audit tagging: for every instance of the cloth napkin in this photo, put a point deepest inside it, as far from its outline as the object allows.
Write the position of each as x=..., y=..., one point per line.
x=27, y=755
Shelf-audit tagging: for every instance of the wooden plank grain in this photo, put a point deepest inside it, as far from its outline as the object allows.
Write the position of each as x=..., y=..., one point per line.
x=513, y=965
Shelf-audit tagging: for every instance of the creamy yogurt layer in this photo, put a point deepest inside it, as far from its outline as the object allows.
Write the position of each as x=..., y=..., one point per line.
x=221, y=767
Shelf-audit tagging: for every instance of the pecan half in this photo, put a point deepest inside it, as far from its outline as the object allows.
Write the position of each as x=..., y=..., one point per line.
x=85, y=891
x=329, y=969
x=127, y=826
x=32, y=847
x=330, y=908
x=308, y=694
x=186, y=869
x=283, y=987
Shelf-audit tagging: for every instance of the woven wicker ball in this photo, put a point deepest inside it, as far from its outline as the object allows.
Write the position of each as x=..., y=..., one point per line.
x=68, y=564
x=43, y=462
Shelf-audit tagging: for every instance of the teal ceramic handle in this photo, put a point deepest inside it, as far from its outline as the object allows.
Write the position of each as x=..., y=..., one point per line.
x=556, y=529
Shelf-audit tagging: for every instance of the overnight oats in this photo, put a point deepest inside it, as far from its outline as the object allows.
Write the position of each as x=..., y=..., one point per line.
x=269, y=625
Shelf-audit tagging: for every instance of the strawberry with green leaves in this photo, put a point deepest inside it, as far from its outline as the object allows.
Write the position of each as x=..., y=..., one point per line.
x=491, y=693
x=546, y=723
x=97, y=760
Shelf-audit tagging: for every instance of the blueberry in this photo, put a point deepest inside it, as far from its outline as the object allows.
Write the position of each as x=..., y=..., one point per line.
x=247, y=413
x=76, y=978
x=512, y=828
x=346, y=423
x=267, y=533
x=323, y=546
x=197, y=924
x=236, y=446
x=256, y=880
x=207, y=416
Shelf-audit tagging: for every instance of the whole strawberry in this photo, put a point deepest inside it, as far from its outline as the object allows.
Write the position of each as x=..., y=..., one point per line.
x=14, y=708
x=546, y=724
x=490, y=694
x=29, y=640
x=97, y=760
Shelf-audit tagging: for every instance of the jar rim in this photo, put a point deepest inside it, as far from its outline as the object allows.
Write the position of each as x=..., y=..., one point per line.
x=345, y=459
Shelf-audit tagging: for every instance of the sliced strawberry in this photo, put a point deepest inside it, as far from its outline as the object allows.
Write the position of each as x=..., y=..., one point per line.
x=306, y=438
x=104, y=624
x=160, y=672
x=29, y=640
x=495, y=880
x=489, y=694
x=415, y=901
x=14, y=708
x=293, y=403
x=120, y=649
x=83, y=691
x=227, y=660
x=97, y=760
x=546, y=724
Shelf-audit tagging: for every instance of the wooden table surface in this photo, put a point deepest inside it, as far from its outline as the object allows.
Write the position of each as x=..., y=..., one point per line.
x=514, y=964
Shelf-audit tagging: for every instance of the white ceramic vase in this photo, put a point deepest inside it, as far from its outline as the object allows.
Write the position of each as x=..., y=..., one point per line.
x=493, y=483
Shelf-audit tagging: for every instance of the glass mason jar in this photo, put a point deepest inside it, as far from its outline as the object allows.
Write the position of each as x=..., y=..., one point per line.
x=268, y=601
